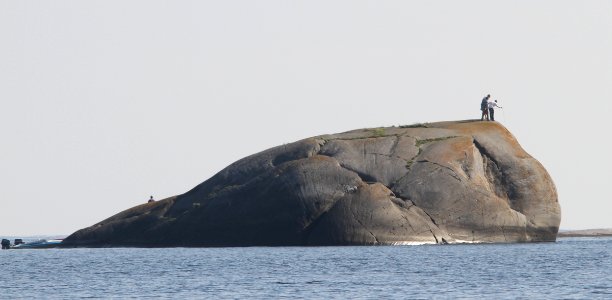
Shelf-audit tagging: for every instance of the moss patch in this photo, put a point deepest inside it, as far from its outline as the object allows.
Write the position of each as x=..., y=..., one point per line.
x=416, y=125
x=420, y=143
x=378, y=132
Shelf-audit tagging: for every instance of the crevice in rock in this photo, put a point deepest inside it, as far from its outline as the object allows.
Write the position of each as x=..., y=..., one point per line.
x=492, y=171
x=364, y=177
x=404, y=204
x=409, y=164
x=307, y=232
x=394, y=183
x=317, y=149
x=394, y=146
x=454, y=174
x=432, y=219
x=465, y=166
x=428, y=215
x=434, y=235
x=309, y=227
x=496, y=177
x=362, y=137
x=362, y=225
x=409, y=224
x=482, y=216
x=321, y=143
x=358, y=138
x=389, y=156
x=422, y=142
x=365, y=152
x=504, y=233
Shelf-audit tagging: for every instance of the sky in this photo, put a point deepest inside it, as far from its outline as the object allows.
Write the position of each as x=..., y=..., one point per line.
x=105, y=103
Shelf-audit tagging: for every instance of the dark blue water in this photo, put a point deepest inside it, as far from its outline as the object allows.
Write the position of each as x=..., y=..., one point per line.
x=579, y=268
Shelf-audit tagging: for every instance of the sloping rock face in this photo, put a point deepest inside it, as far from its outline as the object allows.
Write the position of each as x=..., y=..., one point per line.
x=448, y=182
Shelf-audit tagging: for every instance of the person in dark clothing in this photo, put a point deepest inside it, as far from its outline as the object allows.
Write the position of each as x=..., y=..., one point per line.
x=492, y=110
x=151, y=200
x=484, y=108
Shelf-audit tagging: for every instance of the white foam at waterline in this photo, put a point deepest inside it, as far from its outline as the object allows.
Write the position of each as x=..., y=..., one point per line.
x=413, y=243
x=467, y=242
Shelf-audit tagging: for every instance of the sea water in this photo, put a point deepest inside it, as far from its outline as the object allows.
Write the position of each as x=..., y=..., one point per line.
x=571, y=268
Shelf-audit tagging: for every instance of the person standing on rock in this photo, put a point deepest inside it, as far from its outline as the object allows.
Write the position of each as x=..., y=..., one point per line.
x=492, y=110
x=484, y=108
x=151, y=200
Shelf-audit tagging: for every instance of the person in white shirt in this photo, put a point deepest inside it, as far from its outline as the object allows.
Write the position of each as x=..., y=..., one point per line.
x=492, y=110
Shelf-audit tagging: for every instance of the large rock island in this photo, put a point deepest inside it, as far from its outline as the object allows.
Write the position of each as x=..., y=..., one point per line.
x=447, y=182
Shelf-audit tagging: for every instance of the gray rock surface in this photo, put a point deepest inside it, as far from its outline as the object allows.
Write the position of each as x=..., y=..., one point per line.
x=447, y=182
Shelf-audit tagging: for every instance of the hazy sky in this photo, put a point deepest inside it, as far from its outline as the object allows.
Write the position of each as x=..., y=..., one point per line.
x=104, y=103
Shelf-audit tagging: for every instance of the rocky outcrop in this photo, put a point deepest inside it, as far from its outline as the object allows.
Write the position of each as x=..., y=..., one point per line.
x=448, y=182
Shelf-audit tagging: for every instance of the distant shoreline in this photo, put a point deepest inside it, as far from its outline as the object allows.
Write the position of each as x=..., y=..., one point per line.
x=585, y=233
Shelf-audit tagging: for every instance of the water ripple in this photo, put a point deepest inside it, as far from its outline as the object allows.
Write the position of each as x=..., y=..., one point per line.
x=568, y=269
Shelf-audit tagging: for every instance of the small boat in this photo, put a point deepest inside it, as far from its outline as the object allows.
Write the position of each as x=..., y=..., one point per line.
x=39, y=244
